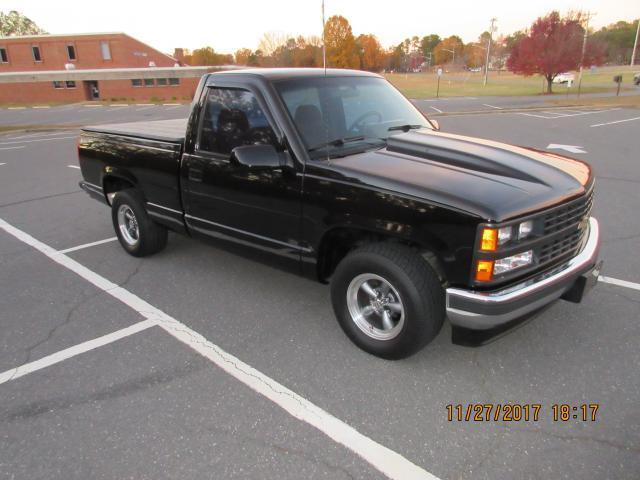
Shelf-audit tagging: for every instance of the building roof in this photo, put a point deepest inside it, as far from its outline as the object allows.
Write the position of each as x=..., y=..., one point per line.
x=107, y=74
x=59, y=35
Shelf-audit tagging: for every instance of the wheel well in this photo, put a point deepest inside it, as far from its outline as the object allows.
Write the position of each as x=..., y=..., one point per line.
x=111, y=185
x=337, y=243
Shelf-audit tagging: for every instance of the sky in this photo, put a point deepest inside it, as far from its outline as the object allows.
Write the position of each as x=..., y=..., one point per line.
x=229, y=25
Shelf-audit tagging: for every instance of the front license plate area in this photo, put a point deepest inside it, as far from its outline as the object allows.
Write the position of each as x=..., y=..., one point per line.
x=583, y=284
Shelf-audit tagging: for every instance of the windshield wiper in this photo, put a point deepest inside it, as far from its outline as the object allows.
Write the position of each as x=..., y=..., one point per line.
x=338, y=142
x=405, y=128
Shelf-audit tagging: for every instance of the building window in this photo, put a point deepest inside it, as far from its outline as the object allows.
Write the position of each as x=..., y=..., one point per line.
x=105, y=50
x=174, y=81
x=148, y=82
x=71, y=52
x=136, y=82
x=35, y=50
x=70, y=84
x=4, y=57
x=161, y=82
x=58, y=85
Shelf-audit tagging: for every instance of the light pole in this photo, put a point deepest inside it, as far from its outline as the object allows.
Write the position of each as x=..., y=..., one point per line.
x=486, y=65
x=635, y=45
x=584, y=49
x=453, y=61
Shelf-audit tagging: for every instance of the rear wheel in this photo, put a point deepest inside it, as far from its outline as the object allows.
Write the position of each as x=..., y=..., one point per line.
x=138, y=234
x=388, y=299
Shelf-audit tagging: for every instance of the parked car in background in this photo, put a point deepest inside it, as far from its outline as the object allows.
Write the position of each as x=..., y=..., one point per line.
x=564, y=78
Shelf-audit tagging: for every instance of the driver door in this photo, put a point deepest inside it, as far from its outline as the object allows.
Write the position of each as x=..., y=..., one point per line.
x=259, y=207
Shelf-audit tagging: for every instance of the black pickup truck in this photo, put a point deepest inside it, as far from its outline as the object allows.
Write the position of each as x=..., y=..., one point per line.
x=337, y=175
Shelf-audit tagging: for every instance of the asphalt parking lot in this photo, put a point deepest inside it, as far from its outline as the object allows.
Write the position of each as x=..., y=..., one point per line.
x=166, y=386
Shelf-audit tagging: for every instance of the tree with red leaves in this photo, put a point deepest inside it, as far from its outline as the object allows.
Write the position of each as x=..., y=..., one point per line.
x=553, y=45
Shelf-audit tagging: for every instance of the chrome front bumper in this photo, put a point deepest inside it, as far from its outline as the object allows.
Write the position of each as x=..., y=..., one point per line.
x=485, y=310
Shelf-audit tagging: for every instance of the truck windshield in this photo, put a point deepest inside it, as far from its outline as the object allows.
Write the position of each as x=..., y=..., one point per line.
x=340, y=115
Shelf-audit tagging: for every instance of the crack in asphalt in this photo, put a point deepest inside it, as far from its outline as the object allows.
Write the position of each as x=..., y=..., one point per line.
x=579, y=438
x=39, y=198
x=112, y=391
x=68, y=319
x=280, y=448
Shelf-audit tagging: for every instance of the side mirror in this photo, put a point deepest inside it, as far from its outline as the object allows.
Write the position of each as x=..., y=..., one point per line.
x=257, y=156
x=435, y=124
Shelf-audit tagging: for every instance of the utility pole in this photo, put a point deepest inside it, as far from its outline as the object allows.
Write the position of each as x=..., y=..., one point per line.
x=635, y=45
x=453, y=61
x=584, y=49
x=486, y=64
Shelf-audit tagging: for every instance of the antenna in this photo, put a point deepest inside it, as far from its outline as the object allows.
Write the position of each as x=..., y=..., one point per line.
x=324, y=47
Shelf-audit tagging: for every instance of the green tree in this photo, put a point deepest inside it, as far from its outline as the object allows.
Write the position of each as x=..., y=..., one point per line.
x=340, y=43
x=428, y=43
x=618, y=39
x=15, y=24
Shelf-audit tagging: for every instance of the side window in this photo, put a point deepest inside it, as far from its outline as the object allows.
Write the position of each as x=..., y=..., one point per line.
x=232, y=118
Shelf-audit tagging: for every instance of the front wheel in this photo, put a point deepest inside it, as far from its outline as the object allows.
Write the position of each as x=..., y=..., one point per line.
x=138, y=234
x=388, y=299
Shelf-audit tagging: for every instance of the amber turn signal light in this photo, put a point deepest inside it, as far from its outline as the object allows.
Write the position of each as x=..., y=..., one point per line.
x=484, y=270
x=489, y=239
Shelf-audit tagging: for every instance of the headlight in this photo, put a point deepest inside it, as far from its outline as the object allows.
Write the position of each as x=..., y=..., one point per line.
x=504, y=235
x=507, y=264
x=525, y=229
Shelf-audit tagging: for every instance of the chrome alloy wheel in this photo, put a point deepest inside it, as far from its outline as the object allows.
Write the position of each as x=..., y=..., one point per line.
x=375, y=306
x=128, y=225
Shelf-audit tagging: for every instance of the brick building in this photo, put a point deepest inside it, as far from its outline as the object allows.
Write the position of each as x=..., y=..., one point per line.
x=100, y=66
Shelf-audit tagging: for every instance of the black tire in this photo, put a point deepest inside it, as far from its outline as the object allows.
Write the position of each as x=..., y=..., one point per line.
x=420, y=292
x=151, y=237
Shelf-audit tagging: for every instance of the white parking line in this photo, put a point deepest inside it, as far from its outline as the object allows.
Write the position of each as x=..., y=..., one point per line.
x=390, y=463
x=492, y=106
x=172, y=104
x=617, y=121
x=620, y=283
x=560, y=113
x=38, y=140
x=87, y=245
x=74, y=166
x=436, y=109
x=17, y=108
x=2, y=164
x=92, y=105
x=58, y=357
x=119, y=105
x=11, y=148
x=32, y=135
x=41, y=106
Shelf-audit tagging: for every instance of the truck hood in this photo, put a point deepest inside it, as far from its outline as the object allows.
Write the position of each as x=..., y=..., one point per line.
x=492, y=180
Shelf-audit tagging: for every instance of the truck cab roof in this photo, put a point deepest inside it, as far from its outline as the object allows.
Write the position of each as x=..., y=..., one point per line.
x=275, y=74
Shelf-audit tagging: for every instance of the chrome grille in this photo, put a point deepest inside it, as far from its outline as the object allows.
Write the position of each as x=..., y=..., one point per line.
x=567, y=226
x=566, y=215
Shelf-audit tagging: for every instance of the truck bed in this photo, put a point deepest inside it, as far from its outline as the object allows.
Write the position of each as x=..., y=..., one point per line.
x=161, y=130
